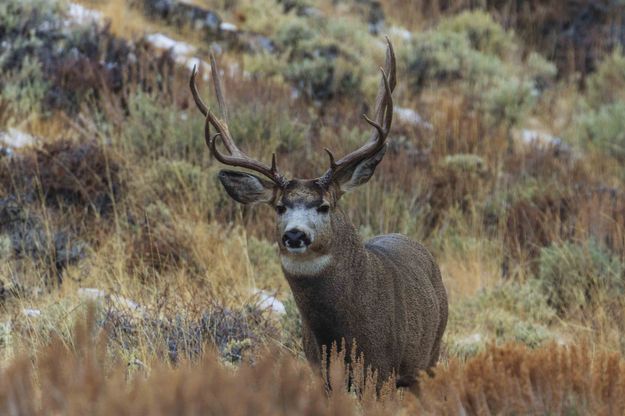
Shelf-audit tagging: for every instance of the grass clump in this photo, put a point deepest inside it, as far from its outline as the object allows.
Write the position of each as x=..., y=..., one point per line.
x=601, y=122
x=511, y=312
x=475, y=53
x=319, y=67
x=576, y=278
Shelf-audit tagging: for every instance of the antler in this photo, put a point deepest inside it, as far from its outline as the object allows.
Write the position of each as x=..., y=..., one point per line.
x=235, y=157
x=381, y=123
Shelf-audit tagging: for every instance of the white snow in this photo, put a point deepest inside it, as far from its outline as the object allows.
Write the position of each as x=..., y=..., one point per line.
x=15, y=138
x=535, y=137
x=31, y=313
x=79, y=14
x=410, y=116
x=160, y=41
x=268, y=301
x=228, y=27
x=400, y=32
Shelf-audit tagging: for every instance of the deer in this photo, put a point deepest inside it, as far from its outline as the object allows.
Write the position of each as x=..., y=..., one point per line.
x=386, y=294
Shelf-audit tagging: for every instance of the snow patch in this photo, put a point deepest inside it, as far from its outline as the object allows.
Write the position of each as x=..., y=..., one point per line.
x=15, y=138
x=228, y=27
x=535, y=137
x=160, y=41
x=31, y=313
x=268, y=301
x=81, y=15
x=400, y=32
x=410, y=116
x=182, y=52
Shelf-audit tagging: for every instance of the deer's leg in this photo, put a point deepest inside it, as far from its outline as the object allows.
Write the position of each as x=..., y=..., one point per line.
x=311, y=349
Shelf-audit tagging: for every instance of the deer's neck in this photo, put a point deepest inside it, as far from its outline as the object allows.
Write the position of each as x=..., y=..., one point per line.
x=321, y=295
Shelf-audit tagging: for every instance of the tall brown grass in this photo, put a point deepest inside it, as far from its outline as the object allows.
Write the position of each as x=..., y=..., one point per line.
x=512, y=379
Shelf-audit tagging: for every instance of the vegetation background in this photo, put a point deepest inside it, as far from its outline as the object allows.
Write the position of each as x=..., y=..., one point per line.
x=131, y=284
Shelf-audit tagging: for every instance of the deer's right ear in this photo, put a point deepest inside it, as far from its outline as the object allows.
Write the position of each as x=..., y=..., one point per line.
x=246, y=188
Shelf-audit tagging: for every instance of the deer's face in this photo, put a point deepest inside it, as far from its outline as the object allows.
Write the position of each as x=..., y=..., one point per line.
x=304, y=212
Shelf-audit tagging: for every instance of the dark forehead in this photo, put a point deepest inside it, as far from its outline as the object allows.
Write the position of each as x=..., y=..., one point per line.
x=302, y=192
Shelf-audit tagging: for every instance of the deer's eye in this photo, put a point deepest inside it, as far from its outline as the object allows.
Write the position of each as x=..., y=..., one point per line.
x=323, y=208
x=280, y=209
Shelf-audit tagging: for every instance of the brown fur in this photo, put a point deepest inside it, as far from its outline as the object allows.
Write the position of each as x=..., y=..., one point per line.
x=386, y=294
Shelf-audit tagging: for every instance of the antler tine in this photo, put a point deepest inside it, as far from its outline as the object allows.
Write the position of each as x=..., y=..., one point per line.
x=381, y=123
x=235, y=157
x=240, y=159
x=196, y=95
x=218, y=89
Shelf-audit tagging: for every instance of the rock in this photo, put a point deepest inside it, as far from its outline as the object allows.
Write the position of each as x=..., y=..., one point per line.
x=80, y=15
x=181, y=52
x=15, y=139
x=544, y=141
x=160, y=41
x=255, y=43
x=179, y=13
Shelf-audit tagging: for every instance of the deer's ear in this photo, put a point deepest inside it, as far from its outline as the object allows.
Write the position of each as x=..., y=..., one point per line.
x=246, y=188
x=361, y=173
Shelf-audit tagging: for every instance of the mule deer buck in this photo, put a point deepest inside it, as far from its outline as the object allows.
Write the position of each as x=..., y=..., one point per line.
x=386, y=293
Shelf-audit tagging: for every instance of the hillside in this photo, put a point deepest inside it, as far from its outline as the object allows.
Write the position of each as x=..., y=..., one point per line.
x=130, y=283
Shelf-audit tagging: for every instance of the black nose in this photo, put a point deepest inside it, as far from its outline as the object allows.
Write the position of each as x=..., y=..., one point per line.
x=295, y=238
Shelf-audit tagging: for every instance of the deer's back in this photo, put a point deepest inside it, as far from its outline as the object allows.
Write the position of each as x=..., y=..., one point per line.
x=418, y=298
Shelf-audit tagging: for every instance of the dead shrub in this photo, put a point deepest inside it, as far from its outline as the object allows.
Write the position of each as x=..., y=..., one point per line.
x=159, y=244
x=80, y=378
x=65, y=172
x=514, y=379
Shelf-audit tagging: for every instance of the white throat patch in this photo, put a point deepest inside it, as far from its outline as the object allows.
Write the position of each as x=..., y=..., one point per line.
x=305, y=267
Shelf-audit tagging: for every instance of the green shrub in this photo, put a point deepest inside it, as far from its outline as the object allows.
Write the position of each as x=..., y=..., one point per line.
x=477, y=55
x=601, y=123
x=465, y=163
x=510, y=312
x=507, y=101
x=437, y=57
x=607, y=84
x=483, y=33
x=154, y=127
x=262, y=128
x=604, y=128
x=578, y=277
x=321, y=58
x=181, y=181
x=23, y=91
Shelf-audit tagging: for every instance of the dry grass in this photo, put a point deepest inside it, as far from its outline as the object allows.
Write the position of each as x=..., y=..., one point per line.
x=123, y=177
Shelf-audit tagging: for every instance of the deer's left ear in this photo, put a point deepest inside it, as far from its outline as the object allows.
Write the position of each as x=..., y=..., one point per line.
x=360, y=173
